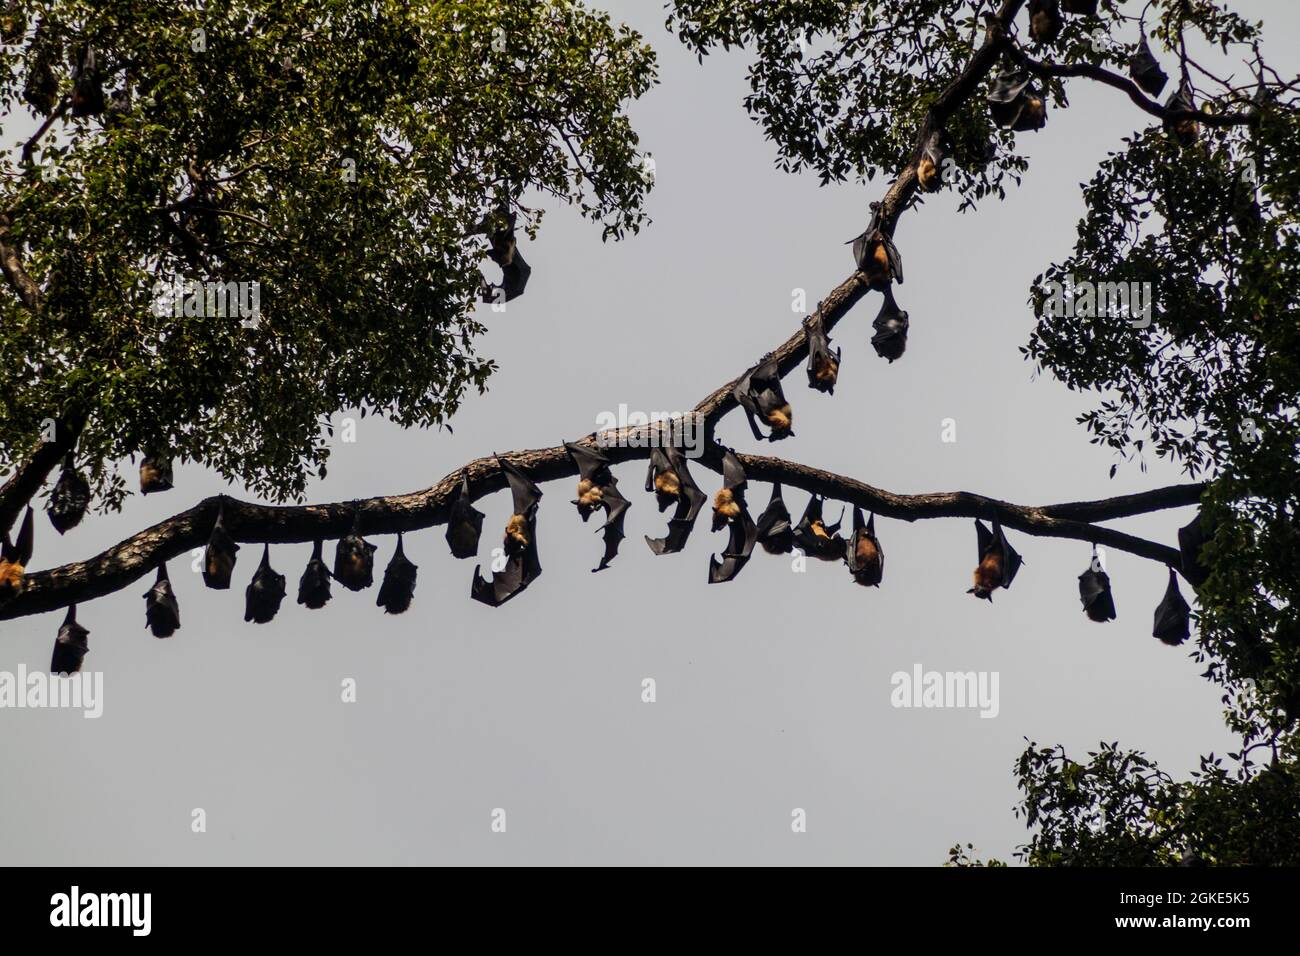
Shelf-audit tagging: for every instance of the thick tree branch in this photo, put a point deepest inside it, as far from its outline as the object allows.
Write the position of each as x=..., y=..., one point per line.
x=11, y=264
x=26, y=481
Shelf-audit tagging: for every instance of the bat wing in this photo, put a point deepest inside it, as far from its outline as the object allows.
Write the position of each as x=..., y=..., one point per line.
x=21, y=551
x=616, y=509
x=592, y=463
x=520, y=571
x=733, y=473
x=775, y=530
x=526, y=494
x=1011, y=557
x=984, y=539
x=740, y=545
x=1171, y=620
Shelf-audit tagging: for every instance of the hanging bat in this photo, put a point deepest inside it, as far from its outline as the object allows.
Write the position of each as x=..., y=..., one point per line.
x=817, y=539
x=42, y=87
x=1191, y=538
x=890, y=340
x=998, y=561
x=875, y=254
x=670, y=479
x=1171, y=623
x=69, y=499
x=504, y=251
x=729, y=502
x=775, y=530
x=823, y=364
x=219, y=557
x=155, y=474
x=354, y=558
x=759, y=394
x=314, y=586
x=1044, y=20
x=70, y=646
x=465, y=523
x=1145, y=70
x=1015, y=104
x=14, y=558
x=865, y=557
x=398, y=587
x=88, y=87
x=1094, y=592
x=1087, y=8
x=598, y=489
x=523, y=565
x=1185, y=130
x=740, y=545
x=929, y=169
x=162, y=613
x=264, y=593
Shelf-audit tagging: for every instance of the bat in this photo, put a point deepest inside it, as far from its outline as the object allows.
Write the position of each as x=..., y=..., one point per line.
x=671, y=481
x=890, y=340
x=598, y=489
x=1186, y=130
x=865, y=557
x=69, y=499
x=523, y=565
x=998, y=561
x=1015, y=104
x=729, y=511
x=465, y=523
x=504, y=251
x=1191, y=538
x=88, y=87
x=759, y=394
x=42, y=87
x=155, y=474
x=817, y=539
x=162, y=613
x=70, y=646
x=13, y=22
x=1086, y=8
x=398, y=587
x=774, y=528
x=823, y=364
x=1044, y=20
x=875, y=254
x=1171, y=623
x=14, y=558
x=354, y=558
x=314, y=585
x=929, y=169
x=1145, y=70
x=1094, y=592
x=219, y=556
x=264, y=593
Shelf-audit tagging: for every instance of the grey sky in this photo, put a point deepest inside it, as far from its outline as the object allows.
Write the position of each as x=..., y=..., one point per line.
x=773, y=690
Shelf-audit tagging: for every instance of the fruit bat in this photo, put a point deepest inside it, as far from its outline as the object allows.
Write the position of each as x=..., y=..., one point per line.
x=1171, y=624
x=264, y=593
x=1094, y=592
x=866, y=559
x=598, y=489
x=162, y=614
x=354, y=558
x=88, y=87
x=817, y=539
x=1185, y=130
x=1080, y=7
x=774, y=528
x=70, y=646
x=398, y=587
x=1044, y=20
x=14, y=558
x=890, y=340
x=740, y=541
x=759, y=394
x=219, y=557
x=522, y=563
x=504, y=251
x=823, y=364
x=42, y=86
x=875, y=254
x=929, y=169
x=1145, y=70
x=1015, y=104
x=729, y=502
x=69, y=499
x=998, y=561
x=155, y=474
x=1191, y=537
x=670, y=479
x=465, y=523
x=314, y=586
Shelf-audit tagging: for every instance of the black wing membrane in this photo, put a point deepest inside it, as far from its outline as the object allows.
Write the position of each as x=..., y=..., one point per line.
x=690, y=499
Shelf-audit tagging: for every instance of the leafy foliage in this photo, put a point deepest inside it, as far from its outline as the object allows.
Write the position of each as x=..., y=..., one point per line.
x=338, y=154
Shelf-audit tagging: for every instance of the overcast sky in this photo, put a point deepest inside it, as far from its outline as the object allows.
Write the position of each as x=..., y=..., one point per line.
x=773, y=691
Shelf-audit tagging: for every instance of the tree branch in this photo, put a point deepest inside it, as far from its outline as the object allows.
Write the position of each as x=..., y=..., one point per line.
x=18, y=491
x=11, y=264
